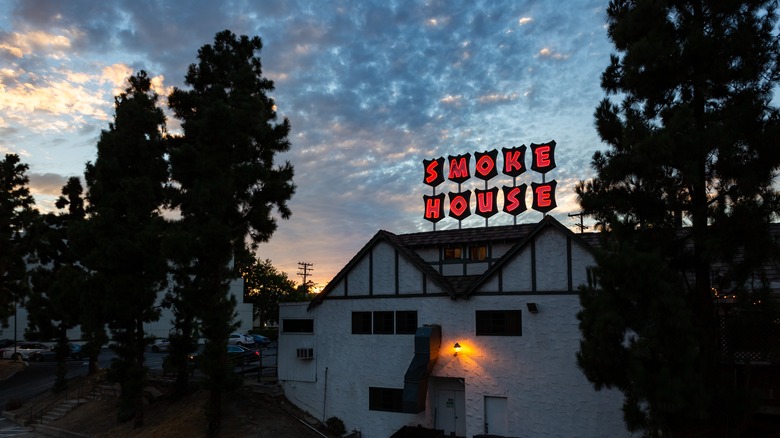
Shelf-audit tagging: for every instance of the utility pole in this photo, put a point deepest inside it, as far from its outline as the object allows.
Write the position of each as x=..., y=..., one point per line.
x=304, y=270
x=582, y=227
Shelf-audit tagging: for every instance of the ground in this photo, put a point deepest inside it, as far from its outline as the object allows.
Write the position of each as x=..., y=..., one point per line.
x=254, y=411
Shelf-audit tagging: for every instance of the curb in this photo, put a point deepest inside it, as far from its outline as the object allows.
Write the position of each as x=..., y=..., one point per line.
x=14, y=372
x=55, y=432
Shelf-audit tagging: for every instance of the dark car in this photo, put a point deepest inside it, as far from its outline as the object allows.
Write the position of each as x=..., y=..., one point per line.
x=50, y=355
x=236, y=354
x=260, y=340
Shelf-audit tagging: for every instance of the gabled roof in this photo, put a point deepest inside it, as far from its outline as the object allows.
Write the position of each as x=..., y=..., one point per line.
x=547, y=222
x=455, y=286
x=394, y=241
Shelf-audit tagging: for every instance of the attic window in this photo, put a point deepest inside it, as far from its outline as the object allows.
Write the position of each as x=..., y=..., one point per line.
x=478, y=252
x=452, y=253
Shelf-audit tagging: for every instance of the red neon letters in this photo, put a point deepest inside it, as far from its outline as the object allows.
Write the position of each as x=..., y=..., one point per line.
x=486, y=168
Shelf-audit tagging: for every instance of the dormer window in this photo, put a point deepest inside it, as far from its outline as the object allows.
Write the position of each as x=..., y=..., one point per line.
x=478, y=252
x=452, y=253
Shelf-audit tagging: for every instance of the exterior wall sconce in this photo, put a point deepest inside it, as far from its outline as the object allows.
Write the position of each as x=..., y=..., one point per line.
x=532, y=307
x=457, y=348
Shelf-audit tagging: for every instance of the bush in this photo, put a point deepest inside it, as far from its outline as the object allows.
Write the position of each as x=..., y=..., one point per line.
x=335, y=427
x=12, y=404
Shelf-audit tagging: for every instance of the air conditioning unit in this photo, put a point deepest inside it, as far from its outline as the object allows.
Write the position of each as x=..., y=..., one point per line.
x=304, y=353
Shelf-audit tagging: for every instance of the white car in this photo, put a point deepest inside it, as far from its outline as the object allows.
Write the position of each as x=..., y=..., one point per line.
x=23, y=350
x=240, y=339
x=160, y=345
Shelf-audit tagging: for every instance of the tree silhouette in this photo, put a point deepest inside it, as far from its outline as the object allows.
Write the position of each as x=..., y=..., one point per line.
x=126, y=193
x=229, y=186
x=686, y=181
x=59, y=280
x=17, y=214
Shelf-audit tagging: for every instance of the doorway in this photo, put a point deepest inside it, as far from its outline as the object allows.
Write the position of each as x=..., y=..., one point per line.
x=496, y=416
x=451, y=407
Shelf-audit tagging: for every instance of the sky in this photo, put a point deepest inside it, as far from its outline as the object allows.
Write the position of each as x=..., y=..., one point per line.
x=371, y=88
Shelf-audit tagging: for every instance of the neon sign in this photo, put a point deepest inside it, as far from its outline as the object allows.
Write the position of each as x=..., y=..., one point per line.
x=486, y=168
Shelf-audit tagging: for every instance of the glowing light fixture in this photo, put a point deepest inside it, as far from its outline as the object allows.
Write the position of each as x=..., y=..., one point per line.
x=457, y=348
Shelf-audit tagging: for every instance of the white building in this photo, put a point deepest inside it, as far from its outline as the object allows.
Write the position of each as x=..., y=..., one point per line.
x=158, y=329
x=377, y=347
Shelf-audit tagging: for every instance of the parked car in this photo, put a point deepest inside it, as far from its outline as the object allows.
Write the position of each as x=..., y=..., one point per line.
x=236, y=354
x=240, y=339
x=160, y=345
x=22, y=350
x=241, y=355
x=260, y=340
x=50, y=355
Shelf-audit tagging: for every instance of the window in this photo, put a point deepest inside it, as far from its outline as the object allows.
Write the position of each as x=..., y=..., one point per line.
x=406, y=322
x=298, y=325
x=452, y=253
x=384, y=323
x=361, y=323
x=499, y=323
x=385, y=399
x=478, y=252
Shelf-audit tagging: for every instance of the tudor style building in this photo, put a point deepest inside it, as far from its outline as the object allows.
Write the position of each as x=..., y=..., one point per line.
x=469, y=331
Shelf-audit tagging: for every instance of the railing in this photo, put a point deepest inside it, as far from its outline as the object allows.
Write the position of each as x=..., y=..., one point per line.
x=34, y=415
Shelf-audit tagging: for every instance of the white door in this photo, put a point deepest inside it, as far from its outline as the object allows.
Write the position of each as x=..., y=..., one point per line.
x=496, y=416
x=451, y=412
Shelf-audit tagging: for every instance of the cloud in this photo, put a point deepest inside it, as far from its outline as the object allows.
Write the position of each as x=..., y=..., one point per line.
x=116, y=75
x=548, y=53
x=30, y=104
x=525, y=20
x=46, y=183
x=20, y=45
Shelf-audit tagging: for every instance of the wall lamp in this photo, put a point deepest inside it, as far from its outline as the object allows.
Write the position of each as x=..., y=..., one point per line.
x=532, y=307
x=457, y=348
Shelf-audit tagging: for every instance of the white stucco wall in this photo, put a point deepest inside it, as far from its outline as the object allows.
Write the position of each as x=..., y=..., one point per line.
x=546, y=395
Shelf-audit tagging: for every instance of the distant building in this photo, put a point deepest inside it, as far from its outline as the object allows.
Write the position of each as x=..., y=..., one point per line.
x=470, y=331
x=158, y=329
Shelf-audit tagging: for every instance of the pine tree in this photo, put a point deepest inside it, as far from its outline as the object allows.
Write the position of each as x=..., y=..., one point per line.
x=230, y=186
x=17, y=214
x=687, y=180
x=59, y=280
x=126, y=194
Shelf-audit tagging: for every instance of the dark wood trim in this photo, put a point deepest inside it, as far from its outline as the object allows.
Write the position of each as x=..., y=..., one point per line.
x=533, y=265
x=569, y=274
x=397, y=273
x=371, y=272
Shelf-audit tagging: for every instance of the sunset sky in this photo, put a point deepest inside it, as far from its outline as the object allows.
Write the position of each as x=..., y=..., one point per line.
x=371, y=89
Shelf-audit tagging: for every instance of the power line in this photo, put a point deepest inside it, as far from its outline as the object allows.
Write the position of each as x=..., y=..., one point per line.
x=304, y=270
x=582, y=227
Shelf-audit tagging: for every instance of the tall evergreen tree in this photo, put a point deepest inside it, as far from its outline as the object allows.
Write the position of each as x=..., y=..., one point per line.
x=17, y=214
x=126, y=194
x=59, y=280
x=224, y=165
x=692, y=143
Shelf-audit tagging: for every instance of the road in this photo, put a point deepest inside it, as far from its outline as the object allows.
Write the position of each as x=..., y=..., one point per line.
x=39, y=377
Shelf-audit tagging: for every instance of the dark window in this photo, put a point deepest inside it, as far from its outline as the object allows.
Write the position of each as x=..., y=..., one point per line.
x=361, y=323
x=406, y=322
x=385, y=399
x=499, y=323
x=478, y=252
x=298, y=326
x=452, y=253
x=384, y=323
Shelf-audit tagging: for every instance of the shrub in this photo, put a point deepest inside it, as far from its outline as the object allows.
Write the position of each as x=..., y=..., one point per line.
x=335, y=427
